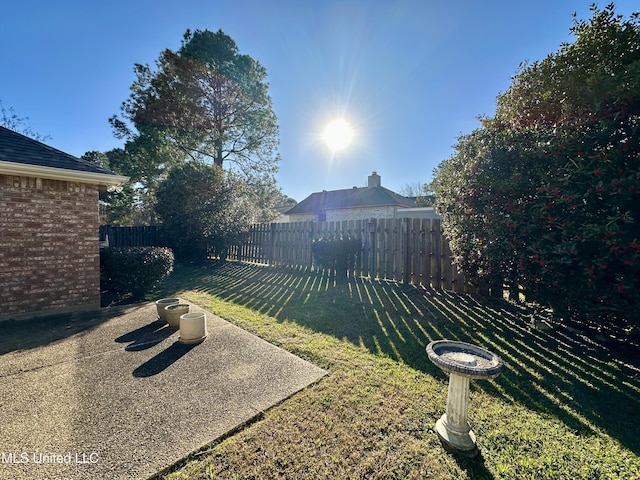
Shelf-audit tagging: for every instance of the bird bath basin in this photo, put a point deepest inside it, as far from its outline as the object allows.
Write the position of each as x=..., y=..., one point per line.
x=463, y=362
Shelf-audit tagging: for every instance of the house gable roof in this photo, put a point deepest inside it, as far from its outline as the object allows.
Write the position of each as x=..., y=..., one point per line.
x=20, y=154
x=350, y=198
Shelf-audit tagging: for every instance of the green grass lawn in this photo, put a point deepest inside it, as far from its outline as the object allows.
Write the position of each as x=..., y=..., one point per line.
x=566, y=406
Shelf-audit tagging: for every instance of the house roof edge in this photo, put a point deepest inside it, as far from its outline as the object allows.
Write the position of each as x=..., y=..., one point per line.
x=56, y=173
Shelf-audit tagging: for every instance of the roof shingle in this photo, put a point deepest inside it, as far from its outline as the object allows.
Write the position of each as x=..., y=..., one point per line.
x=18, y=148
x=350, y=198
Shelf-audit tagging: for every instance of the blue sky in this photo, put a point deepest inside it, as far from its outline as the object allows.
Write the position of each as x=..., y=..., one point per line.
x=409, y=75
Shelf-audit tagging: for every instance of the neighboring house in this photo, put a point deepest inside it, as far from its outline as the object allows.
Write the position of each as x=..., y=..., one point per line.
x=372, y=201
x=419, y=212
x=282, y=216
x=49, y=257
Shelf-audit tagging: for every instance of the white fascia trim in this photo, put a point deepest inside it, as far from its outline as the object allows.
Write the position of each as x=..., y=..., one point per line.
x=52, y=173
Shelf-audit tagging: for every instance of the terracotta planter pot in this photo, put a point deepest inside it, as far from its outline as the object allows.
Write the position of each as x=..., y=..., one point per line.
x=173, y=313
x=193, y=327
x=165, y=302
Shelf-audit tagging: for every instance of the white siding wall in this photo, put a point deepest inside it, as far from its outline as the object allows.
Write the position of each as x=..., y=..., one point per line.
x=354, y=214
x=360, y=213
x=302, y=217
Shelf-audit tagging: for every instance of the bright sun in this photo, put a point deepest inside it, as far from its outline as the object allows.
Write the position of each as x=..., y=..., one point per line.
x=338, y=135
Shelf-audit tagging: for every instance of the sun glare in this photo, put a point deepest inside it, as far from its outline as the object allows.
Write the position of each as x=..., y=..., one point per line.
x=338, y=135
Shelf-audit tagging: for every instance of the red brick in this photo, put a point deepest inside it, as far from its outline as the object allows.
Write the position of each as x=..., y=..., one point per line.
x=48, y=244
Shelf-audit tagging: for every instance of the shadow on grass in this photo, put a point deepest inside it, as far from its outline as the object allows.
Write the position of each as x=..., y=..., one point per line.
x=475, y=467
x=586, y=384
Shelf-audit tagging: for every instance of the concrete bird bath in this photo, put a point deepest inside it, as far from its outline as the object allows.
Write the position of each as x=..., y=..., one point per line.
x=463, y=362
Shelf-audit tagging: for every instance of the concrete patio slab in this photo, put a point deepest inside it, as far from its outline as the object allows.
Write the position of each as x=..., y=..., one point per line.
x=118, y=397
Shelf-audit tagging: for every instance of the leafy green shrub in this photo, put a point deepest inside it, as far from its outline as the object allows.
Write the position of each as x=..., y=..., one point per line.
x=552, y=224
x=336, y=254
x=545, y=196
x=135, y=270
x=583, y=252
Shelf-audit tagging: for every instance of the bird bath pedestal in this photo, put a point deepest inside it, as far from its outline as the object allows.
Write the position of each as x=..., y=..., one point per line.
x=463, y=362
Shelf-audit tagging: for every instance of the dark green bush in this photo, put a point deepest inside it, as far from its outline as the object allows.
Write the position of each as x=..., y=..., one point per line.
x=554, y=223
x=336, y=254
x=204, y=209
x=545, y=197
x=135, y=270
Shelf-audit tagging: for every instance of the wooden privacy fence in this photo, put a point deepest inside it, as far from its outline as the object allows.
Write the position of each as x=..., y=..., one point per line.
x=413, y=251
x=137, y=236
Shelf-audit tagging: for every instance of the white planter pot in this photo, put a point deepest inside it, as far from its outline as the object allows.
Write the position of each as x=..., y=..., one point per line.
x=193, y=327
x=173, y=313
x=165, y=302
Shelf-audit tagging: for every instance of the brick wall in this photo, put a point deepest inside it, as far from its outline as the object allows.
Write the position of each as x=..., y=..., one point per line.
x=49, y=258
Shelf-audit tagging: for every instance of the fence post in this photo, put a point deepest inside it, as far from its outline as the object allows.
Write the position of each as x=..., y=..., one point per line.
x=406, y=248
x=371, y=260
x=436, y=245
x=423, y=261
x=272, y=244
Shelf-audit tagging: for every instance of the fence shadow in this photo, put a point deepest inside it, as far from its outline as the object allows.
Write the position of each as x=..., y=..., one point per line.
x=586, y=383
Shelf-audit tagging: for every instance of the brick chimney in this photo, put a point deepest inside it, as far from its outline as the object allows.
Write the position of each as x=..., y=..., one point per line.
x=374, y=180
